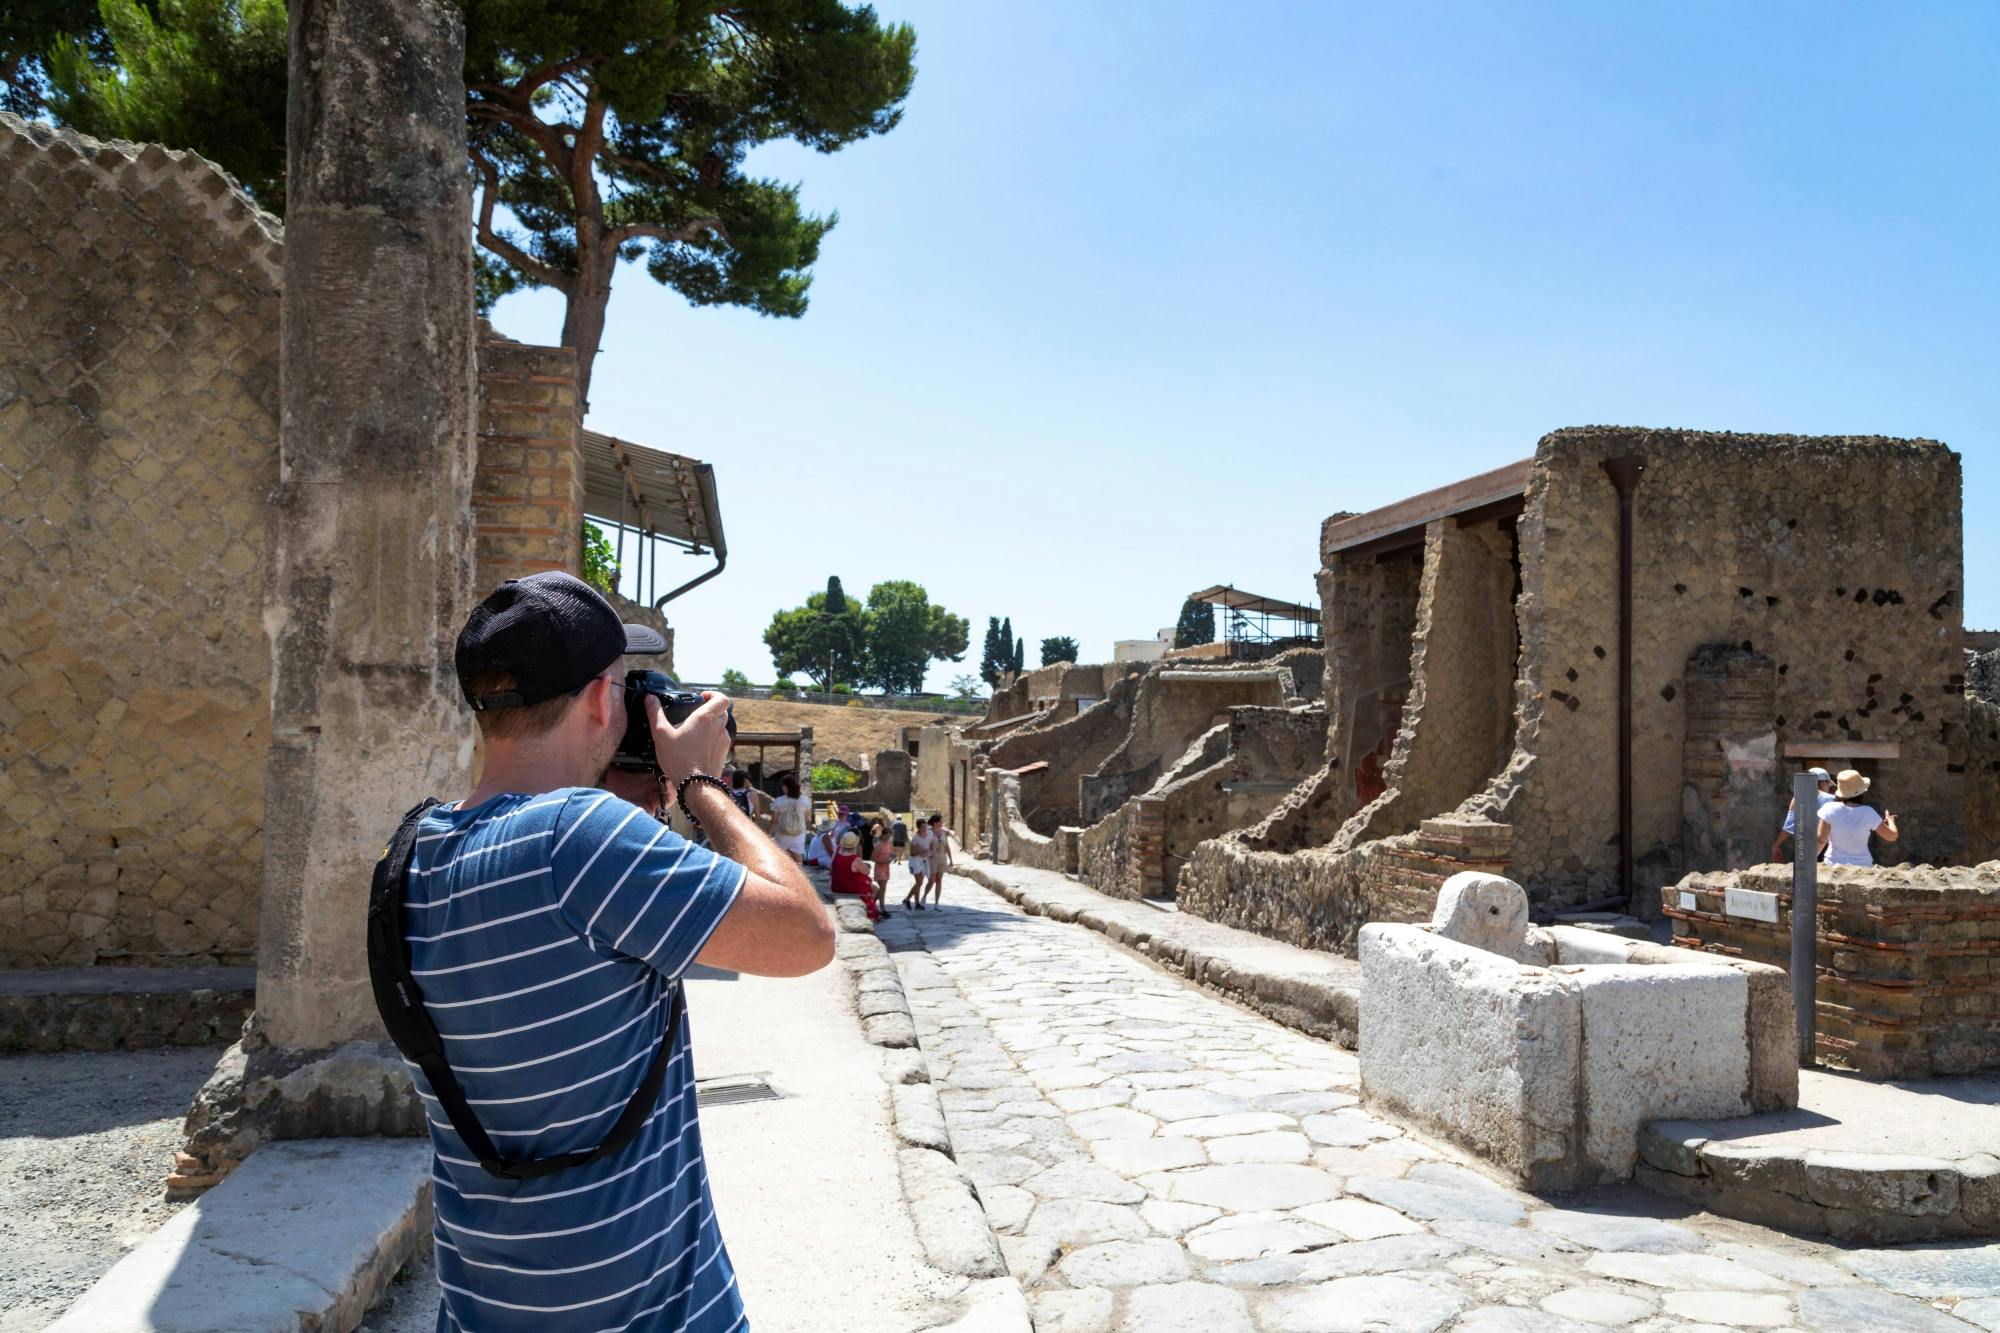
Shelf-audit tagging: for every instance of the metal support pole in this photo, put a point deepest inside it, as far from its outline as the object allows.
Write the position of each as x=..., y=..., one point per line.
x=1805, y=910
x=618, y=580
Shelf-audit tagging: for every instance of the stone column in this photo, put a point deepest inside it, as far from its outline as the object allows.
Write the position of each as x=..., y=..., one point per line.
x=368, y=566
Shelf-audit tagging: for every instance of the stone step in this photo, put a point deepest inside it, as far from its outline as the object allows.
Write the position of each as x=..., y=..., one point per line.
x=305, y=1234
x=122, y=1008
x=1858, y=1161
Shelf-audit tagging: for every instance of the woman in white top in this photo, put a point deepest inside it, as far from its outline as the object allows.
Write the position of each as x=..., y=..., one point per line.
x=920, y=866
x=791, y=820
x=1845, y=823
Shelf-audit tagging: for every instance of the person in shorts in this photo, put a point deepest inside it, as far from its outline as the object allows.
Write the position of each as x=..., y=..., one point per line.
x=881, y=856
x=899, y=837
x=939, y=859
x=920, y=867
x=791, y=821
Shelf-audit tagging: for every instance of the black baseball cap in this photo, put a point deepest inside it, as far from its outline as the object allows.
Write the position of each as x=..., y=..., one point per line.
x=551, y=632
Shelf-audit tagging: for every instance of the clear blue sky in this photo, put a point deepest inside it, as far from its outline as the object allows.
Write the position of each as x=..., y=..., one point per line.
x=1138, y=293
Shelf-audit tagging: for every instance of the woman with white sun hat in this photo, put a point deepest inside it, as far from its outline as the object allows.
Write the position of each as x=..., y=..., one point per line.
x=1845, y=823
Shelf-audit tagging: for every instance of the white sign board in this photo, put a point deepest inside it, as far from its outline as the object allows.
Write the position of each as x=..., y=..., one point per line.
x=1687, y=901
x=1750, y=904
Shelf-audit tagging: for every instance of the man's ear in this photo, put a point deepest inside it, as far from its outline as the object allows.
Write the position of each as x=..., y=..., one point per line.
x=606, y=692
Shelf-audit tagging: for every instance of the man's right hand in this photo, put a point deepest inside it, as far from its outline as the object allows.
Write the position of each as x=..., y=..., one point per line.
x=698, y=745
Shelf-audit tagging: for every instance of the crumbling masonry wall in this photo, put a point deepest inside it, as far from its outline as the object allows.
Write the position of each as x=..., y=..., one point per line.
x=138, y=440
x=138, y=446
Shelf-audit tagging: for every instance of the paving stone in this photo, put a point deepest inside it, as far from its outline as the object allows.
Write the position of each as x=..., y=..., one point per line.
x=1514, y=1242
x=1139, y=1157
x=1082, y=1180
x=1361, y=1162
x=1259, y=1237
x=1007, y=1206
x=1187, y=1307
x=1029, y=1256
x=1305, y=1103
x=1685, y=1271
x=1424, y=1200
x=1244, y=1122
x=1510, y=1319
x=974, y=1138
x=1075, y=1310
x=1187, y=1103
x=1358, y=1219
x=1737, y=1309
x=1981, y=1313
x=1345, y=1130
x=1960, y=1270
x=1259, y=1272
x=1599, y=1305
x=1172, y=1219
x=1866, y=1310
x=1070, y=1076
x=1277, y=1146
x=1126, y=1263
x=1384, y=1255
x=1254, y=1185
x=1364, y=1305
x=1090, y=1099
x=1798, y=1269
x=999, y=1168
x=1075, y=1222
x=1613, y=1231
x=1144, y=1063
x=1113, y=1122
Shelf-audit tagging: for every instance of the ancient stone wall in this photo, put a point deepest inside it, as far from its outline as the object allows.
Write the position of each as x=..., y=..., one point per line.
x=1908, y=957
x=1072, y=747
x=138, y=436
x=1369, y=605
x=1172, y=708
x=1982, y=781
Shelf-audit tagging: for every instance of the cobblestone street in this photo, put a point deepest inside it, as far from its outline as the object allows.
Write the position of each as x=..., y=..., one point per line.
x=1154, y=1158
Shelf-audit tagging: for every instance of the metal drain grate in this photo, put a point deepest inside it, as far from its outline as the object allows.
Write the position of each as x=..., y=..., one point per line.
x=730, y=1091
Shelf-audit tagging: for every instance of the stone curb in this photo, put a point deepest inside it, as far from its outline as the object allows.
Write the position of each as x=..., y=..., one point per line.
x=945, y=1207
x=66, y=1009
x=306, y=1234
x=1285, y=984
x=1877, y=1198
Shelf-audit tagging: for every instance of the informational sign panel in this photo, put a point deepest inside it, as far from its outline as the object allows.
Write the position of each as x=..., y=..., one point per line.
x=1750, y=905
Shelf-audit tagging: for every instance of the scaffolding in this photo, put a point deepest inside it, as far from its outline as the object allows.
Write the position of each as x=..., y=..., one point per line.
x=1255, y=627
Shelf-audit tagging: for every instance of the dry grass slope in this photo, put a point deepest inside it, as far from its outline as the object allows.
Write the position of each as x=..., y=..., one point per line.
x=852, y=735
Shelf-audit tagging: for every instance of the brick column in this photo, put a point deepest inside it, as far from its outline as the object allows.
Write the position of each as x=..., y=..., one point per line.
x=527, y=494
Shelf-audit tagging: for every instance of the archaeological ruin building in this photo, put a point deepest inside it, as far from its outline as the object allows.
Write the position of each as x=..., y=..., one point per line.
x=1593, y=671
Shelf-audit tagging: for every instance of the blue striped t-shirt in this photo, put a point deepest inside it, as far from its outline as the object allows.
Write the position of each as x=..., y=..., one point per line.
x=547, y=933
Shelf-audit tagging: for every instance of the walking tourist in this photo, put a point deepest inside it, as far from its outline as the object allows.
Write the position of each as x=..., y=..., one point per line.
x=899, y=836
x=940, y=858
x=550, y=917
x=883, y=856
x=791, y=821
x=1845, y=824
x=1825, y=781
x=920, y=867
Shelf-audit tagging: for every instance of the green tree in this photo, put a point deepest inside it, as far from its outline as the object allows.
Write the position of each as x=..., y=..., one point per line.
x=31, y=31
x=965, y=686
x=1059, y=649
x=1006, y=645
x=828, y=646
x=906, y=632
x=600, y=130
x=1019, y=658
x=993, y=658
x=600, y=562
x=1196, y=626
x=734, y=681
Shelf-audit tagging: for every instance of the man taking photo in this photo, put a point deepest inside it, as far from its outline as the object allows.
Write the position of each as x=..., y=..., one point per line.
x=549, y=918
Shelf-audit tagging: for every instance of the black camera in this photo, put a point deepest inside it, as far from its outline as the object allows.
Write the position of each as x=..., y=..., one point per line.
x=635, y=750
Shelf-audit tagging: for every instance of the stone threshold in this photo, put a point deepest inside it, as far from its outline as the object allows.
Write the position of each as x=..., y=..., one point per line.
x=305, y=1234
x=949, y=1216
x=1860, y=1161
x=122, y=1008
x=1317, y=993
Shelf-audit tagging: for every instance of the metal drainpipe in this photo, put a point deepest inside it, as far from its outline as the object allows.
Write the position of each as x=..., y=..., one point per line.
x=1624, y=473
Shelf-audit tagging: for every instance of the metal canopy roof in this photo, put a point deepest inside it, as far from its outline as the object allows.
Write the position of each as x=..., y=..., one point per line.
x=1236, y=600
x=667, y=495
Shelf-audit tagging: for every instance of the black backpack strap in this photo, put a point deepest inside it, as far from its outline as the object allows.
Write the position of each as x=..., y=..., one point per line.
x=401, y=1004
